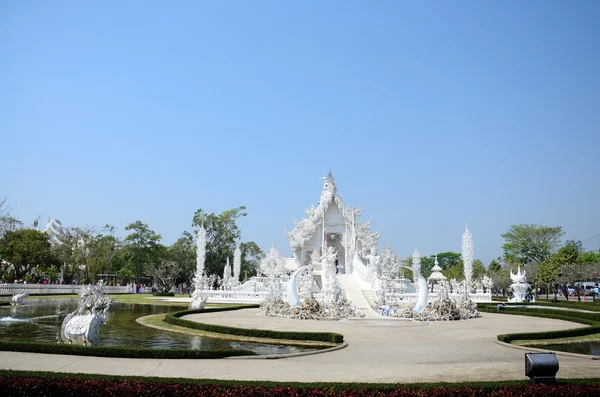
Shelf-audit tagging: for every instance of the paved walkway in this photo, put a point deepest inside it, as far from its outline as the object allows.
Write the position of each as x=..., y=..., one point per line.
x=378, y=351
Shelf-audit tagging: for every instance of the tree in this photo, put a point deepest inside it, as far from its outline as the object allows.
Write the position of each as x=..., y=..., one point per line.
x=27, y=250
x=531, y=243
x=222, y=233
x=455, y=271
x=251, y=257
x=182, y=254
x=478, y=269
x=449, y=259
x=143, y=242
x=494, y=266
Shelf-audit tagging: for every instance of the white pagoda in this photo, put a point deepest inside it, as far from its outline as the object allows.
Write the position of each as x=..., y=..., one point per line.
x=331, y=224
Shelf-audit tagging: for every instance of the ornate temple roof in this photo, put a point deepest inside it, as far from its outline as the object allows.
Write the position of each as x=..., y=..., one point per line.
x=304, y=229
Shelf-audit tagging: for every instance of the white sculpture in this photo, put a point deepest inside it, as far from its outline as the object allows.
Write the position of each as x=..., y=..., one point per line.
x=519, y=286
x=200, y=280
x=273, y=263
x=83, y=325
x=331, y=286
x=237, y=265
x=292, y=287
x=373, y=264
x=19, y=299
x=487, y=283
x=227, y=274
x=468, y=253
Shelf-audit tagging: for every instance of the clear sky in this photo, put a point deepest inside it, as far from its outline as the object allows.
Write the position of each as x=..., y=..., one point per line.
x=429, y=114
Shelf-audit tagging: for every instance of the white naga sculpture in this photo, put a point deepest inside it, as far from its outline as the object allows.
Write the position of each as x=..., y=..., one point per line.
x=83, y=325
x=200, y=280
x=19, y=299
x=421, y=283
x=519, y=286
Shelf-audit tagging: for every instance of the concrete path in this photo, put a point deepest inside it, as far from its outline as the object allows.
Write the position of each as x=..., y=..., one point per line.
x=354, y=293
x=378, y=351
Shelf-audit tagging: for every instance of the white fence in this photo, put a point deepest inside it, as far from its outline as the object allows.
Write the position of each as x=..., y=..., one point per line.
x=217, y=296
x=50, y=289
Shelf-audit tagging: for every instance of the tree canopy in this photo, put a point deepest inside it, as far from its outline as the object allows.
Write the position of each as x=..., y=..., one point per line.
x=531, y=243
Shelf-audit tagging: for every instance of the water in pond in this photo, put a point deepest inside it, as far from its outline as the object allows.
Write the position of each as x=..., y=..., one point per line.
x=37, y=321
x=592, y=348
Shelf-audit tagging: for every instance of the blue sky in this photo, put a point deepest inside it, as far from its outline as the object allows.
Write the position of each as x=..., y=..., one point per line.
x=429, y=114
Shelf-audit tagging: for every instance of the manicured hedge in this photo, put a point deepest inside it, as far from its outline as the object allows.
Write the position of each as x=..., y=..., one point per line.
x=126, y=352
x=592, y=319
x=18, y=383
x=5, y=303
x=174, y=318
x=591, y=306
x=164, y=294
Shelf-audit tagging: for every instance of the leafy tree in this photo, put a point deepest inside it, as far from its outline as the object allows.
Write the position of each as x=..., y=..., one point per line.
x=27, y=250
x=494, y=266
x=449, y=259
x=455, y=271
x=143, y=243
x=251, y=257
x=531, y=243
x=590, y=257
x=478, y=269
x=222, y=233
x=182, y=254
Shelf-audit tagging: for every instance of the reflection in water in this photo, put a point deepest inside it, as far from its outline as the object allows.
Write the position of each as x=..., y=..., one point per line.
x=592, y=348
x=40, y=320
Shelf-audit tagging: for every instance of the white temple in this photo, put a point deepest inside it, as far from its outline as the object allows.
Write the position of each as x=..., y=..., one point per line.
x=331, y=224
x=337, y=257
x=55, y=231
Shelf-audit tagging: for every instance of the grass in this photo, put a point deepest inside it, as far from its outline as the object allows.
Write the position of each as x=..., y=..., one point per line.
x=157, y=321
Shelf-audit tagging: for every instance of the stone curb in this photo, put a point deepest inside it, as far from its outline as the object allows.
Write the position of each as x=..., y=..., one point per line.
x=289, y=355
x=576, y=355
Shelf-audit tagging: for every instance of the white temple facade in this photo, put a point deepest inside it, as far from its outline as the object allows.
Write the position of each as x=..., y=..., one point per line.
x=331, y=224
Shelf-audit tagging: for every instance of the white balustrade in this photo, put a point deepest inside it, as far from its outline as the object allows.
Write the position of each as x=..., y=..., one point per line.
x=50, y=289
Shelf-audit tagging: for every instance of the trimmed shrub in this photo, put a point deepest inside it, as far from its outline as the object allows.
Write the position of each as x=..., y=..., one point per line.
x=126, y=352
x=164, y=294
x=174, y=318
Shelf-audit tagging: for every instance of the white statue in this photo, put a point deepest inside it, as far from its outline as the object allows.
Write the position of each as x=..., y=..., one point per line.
x=83, y=325
x=488, y=283
x=373, y=264
x=519, y=286
x=19, y=299
x=331, y=288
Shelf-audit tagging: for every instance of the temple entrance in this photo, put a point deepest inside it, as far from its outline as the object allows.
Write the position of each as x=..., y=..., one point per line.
x=335, y=240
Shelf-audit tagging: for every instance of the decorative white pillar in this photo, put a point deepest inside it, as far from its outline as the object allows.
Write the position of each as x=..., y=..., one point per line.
x=468, y=252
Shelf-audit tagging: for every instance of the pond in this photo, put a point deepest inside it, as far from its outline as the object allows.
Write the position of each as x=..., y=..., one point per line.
x=592, y=348
x=37, y=321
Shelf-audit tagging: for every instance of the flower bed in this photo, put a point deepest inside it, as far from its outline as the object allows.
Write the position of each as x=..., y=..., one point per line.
x=14, y=383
